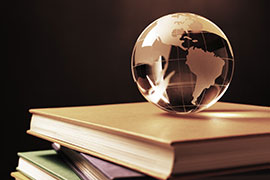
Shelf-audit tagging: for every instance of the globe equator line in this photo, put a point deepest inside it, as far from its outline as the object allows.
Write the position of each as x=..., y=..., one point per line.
x=187, y=84
x=177, y=59
x=183, y=59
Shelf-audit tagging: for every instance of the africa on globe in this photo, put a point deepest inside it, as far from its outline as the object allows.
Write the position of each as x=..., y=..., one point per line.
x=182, y=63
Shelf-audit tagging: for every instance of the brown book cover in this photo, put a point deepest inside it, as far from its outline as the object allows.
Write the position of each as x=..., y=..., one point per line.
x=158, y=143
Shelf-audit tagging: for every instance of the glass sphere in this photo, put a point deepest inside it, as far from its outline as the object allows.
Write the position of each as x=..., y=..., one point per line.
x=182, y=63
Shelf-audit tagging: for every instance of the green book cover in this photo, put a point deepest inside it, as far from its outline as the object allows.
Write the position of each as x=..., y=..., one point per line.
x=50, y=162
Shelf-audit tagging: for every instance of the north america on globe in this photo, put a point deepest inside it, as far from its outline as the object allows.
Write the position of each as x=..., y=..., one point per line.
x=182, y=63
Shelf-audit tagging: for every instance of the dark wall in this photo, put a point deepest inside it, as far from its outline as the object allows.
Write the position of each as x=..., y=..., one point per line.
x=66, y=53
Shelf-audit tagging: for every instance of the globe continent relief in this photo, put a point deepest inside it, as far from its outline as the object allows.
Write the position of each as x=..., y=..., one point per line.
x=182, y=63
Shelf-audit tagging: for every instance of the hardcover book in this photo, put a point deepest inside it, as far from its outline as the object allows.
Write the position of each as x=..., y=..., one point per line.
x=43, y=164
x=159, y=144
x=19, y=176
x=90, y=167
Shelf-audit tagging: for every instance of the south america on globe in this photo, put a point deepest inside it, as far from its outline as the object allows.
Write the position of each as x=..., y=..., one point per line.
x=182, y=63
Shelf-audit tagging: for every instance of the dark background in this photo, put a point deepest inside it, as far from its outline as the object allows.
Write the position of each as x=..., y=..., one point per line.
x=69, y=53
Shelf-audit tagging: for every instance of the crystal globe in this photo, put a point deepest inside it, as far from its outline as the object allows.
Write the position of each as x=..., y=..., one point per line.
x=182, y=63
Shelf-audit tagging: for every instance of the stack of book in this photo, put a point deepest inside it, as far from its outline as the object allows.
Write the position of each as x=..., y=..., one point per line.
x=139, y=141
